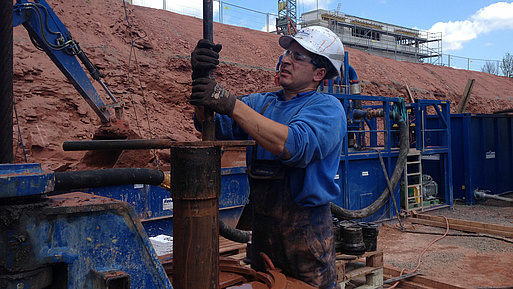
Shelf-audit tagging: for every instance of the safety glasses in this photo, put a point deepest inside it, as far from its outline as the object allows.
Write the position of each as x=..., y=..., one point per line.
x=299, y=57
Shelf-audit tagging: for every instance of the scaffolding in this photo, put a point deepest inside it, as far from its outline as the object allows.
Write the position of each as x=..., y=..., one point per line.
x=286, y=23
x=396, y=42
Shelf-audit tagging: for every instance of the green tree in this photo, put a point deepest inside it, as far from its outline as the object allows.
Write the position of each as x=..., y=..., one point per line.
x=507, y=65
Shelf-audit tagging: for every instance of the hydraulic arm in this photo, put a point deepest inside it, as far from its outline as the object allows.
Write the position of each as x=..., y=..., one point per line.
x=49, y=34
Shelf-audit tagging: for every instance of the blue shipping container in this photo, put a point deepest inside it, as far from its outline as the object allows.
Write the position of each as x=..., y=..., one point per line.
x=482, y=150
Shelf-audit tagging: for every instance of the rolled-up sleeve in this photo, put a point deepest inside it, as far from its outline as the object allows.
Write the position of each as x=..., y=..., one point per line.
x=315, y=131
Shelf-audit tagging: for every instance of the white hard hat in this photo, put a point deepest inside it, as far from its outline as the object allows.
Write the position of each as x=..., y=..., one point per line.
x=318, y=40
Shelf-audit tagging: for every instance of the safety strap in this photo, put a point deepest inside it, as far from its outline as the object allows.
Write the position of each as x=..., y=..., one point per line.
x=254, y=150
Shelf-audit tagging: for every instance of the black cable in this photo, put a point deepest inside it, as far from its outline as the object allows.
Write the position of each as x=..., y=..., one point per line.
x=132, y=49
x=129, y=62
x=37, y=9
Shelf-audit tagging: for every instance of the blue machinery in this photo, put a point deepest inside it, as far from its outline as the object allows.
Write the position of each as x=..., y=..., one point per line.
x=72, y=240
x=49, y=34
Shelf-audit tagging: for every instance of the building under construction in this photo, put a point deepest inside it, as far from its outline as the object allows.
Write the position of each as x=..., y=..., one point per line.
x=382, y=39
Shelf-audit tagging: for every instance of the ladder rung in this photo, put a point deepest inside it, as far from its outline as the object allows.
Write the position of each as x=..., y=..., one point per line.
x=413, y=174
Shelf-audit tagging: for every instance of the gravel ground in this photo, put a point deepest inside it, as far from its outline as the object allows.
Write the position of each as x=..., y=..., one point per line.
x=469, y=262
x=488, y=211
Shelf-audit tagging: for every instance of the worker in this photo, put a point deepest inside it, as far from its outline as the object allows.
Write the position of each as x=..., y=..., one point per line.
x=292, y=170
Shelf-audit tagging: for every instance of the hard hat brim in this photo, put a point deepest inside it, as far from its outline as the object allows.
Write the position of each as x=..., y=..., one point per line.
x=286, y=41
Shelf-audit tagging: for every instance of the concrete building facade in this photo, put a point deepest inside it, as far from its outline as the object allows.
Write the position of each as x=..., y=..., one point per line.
x=382, y=39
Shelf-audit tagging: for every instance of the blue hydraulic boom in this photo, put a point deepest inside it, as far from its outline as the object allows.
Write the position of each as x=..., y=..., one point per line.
x=49, y=34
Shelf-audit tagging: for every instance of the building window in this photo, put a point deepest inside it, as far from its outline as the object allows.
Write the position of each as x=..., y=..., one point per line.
x=366, y=33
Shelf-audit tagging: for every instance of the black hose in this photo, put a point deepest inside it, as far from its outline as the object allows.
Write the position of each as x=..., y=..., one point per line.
x=342, y=213
x=233, y=234
x=126, y=176
x=107, y=177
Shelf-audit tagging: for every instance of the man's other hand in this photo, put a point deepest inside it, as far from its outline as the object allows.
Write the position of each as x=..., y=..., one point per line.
x=207, y=92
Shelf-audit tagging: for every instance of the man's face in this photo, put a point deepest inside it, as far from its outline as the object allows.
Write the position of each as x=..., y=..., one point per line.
x=297, y=71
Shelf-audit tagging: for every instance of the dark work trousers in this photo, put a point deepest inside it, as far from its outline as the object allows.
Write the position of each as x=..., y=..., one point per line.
x=299, y=240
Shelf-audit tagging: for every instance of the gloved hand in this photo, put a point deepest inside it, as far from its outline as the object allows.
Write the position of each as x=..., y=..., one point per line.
x=204, y=58
x=207, y=92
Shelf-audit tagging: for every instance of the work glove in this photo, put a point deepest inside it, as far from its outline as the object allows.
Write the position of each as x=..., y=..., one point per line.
x=207, y=92
x=204, y=58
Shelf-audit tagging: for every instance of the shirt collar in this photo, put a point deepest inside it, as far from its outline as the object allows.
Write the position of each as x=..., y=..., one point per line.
x=281, y=97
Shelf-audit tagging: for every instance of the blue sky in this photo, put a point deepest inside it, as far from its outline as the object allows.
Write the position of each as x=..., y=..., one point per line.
x=474, y=29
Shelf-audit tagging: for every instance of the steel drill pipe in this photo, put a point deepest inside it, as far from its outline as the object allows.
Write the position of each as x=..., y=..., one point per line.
x=141, y=144
x=196, y=188
x=209, y=131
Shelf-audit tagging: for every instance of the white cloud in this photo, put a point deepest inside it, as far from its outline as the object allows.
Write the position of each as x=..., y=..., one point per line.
x=497, y=16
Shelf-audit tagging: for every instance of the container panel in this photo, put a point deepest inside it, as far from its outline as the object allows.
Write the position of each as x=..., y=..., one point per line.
x=154, y=205
x=363, y=181
x=484, y=152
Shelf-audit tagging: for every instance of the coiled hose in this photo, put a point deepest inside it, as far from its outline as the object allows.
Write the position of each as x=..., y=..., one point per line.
x=342, y=213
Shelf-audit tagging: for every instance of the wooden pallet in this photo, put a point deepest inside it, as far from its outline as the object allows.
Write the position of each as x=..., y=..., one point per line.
x=368, y=266
x=416, y=281
x=228, y=248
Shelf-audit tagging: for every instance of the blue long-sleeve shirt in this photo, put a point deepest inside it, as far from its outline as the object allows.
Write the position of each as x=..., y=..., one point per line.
x=317, y=125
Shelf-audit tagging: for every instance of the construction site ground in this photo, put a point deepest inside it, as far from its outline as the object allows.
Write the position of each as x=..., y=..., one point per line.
x=459, y=260
x=468, y=262
x=155, y=88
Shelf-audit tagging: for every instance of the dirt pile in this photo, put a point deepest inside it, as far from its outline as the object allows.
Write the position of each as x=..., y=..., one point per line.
x=155, y=90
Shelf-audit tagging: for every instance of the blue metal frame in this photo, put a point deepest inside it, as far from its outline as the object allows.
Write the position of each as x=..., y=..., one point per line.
x=432, y=133
x=360, y=173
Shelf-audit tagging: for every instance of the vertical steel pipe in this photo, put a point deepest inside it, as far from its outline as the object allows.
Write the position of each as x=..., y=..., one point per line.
x=196, y=187
x=6, y=93
x=208, y=131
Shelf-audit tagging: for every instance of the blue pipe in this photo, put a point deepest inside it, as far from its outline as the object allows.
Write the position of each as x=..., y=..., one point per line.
x=352, y=74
